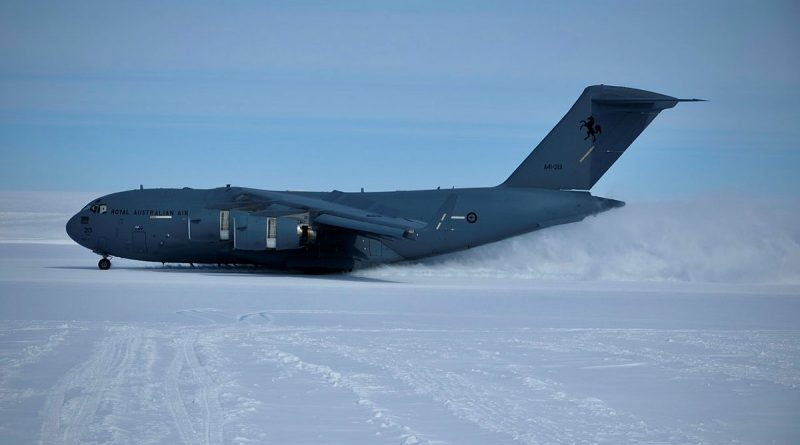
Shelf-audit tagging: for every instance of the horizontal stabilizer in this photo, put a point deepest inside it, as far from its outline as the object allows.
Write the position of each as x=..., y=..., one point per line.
x=642, y=101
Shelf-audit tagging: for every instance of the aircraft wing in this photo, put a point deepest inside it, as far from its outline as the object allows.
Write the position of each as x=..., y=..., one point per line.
x=329, y=213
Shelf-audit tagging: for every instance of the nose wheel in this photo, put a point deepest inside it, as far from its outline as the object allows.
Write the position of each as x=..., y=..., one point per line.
x=104, y=264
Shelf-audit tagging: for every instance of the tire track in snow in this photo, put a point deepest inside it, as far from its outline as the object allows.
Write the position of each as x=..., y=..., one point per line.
x=211, y=424
x=67, y=418
x=506, y=399
x=212, y=431
x=338, y=380
x=262, y=316
x=491, y=407
x=175, y=402
x=210, y=315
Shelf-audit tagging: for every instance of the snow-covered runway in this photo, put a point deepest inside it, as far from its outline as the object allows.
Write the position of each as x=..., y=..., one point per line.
x=145, y=354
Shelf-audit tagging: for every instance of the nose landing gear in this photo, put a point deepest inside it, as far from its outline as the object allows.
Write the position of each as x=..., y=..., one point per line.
x=104, y=263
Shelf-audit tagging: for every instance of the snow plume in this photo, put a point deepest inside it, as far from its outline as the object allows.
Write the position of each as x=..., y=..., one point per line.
x=710, y=239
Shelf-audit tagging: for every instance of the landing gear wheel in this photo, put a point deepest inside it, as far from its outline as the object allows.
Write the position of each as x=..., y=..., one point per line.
x=104, y=264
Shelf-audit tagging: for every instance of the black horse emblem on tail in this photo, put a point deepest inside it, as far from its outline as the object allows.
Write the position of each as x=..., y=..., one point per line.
x=592, y=129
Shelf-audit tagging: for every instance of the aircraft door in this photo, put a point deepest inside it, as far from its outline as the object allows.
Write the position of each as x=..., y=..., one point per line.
x=287, y=236
x=139, y=242
x=249, y=231
x=208, y=226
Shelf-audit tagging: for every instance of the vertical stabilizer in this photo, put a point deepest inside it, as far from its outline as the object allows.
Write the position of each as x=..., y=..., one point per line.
x=587, y=141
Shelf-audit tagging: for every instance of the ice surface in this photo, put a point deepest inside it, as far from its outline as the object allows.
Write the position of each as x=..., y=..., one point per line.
x=465, y=350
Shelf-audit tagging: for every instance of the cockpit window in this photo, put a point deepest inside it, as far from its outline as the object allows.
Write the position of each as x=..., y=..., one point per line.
x=91, y=204
x=98, y=208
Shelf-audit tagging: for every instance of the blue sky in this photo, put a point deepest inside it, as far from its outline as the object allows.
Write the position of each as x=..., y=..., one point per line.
x=104, y=96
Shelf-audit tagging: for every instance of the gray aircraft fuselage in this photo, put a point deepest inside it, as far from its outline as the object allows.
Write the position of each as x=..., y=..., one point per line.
x=183, y=226
x=334, y=231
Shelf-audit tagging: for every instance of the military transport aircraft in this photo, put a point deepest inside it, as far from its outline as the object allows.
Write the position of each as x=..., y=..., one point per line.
x=338, y=231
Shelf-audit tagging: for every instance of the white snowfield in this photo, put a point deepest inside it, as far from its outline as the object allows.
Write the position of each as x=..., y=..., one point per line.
x=614, y=330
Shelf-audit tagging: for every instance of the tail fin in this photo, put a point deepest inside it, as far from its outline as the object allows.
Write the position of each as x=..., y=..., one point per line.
x=590, y=138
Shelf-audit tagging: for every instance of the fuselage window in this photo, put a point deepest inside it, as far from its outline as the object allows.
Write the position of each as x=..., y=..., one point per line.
x=224, y=225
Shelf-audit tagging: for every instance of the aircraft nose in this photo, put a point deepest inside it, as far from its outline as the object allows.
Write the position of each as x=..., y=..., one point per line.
x=73, y=228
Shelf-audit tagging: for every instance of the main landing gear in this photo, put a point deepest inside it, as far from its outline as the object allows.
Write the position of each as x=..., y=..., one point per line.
x=104, y=263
